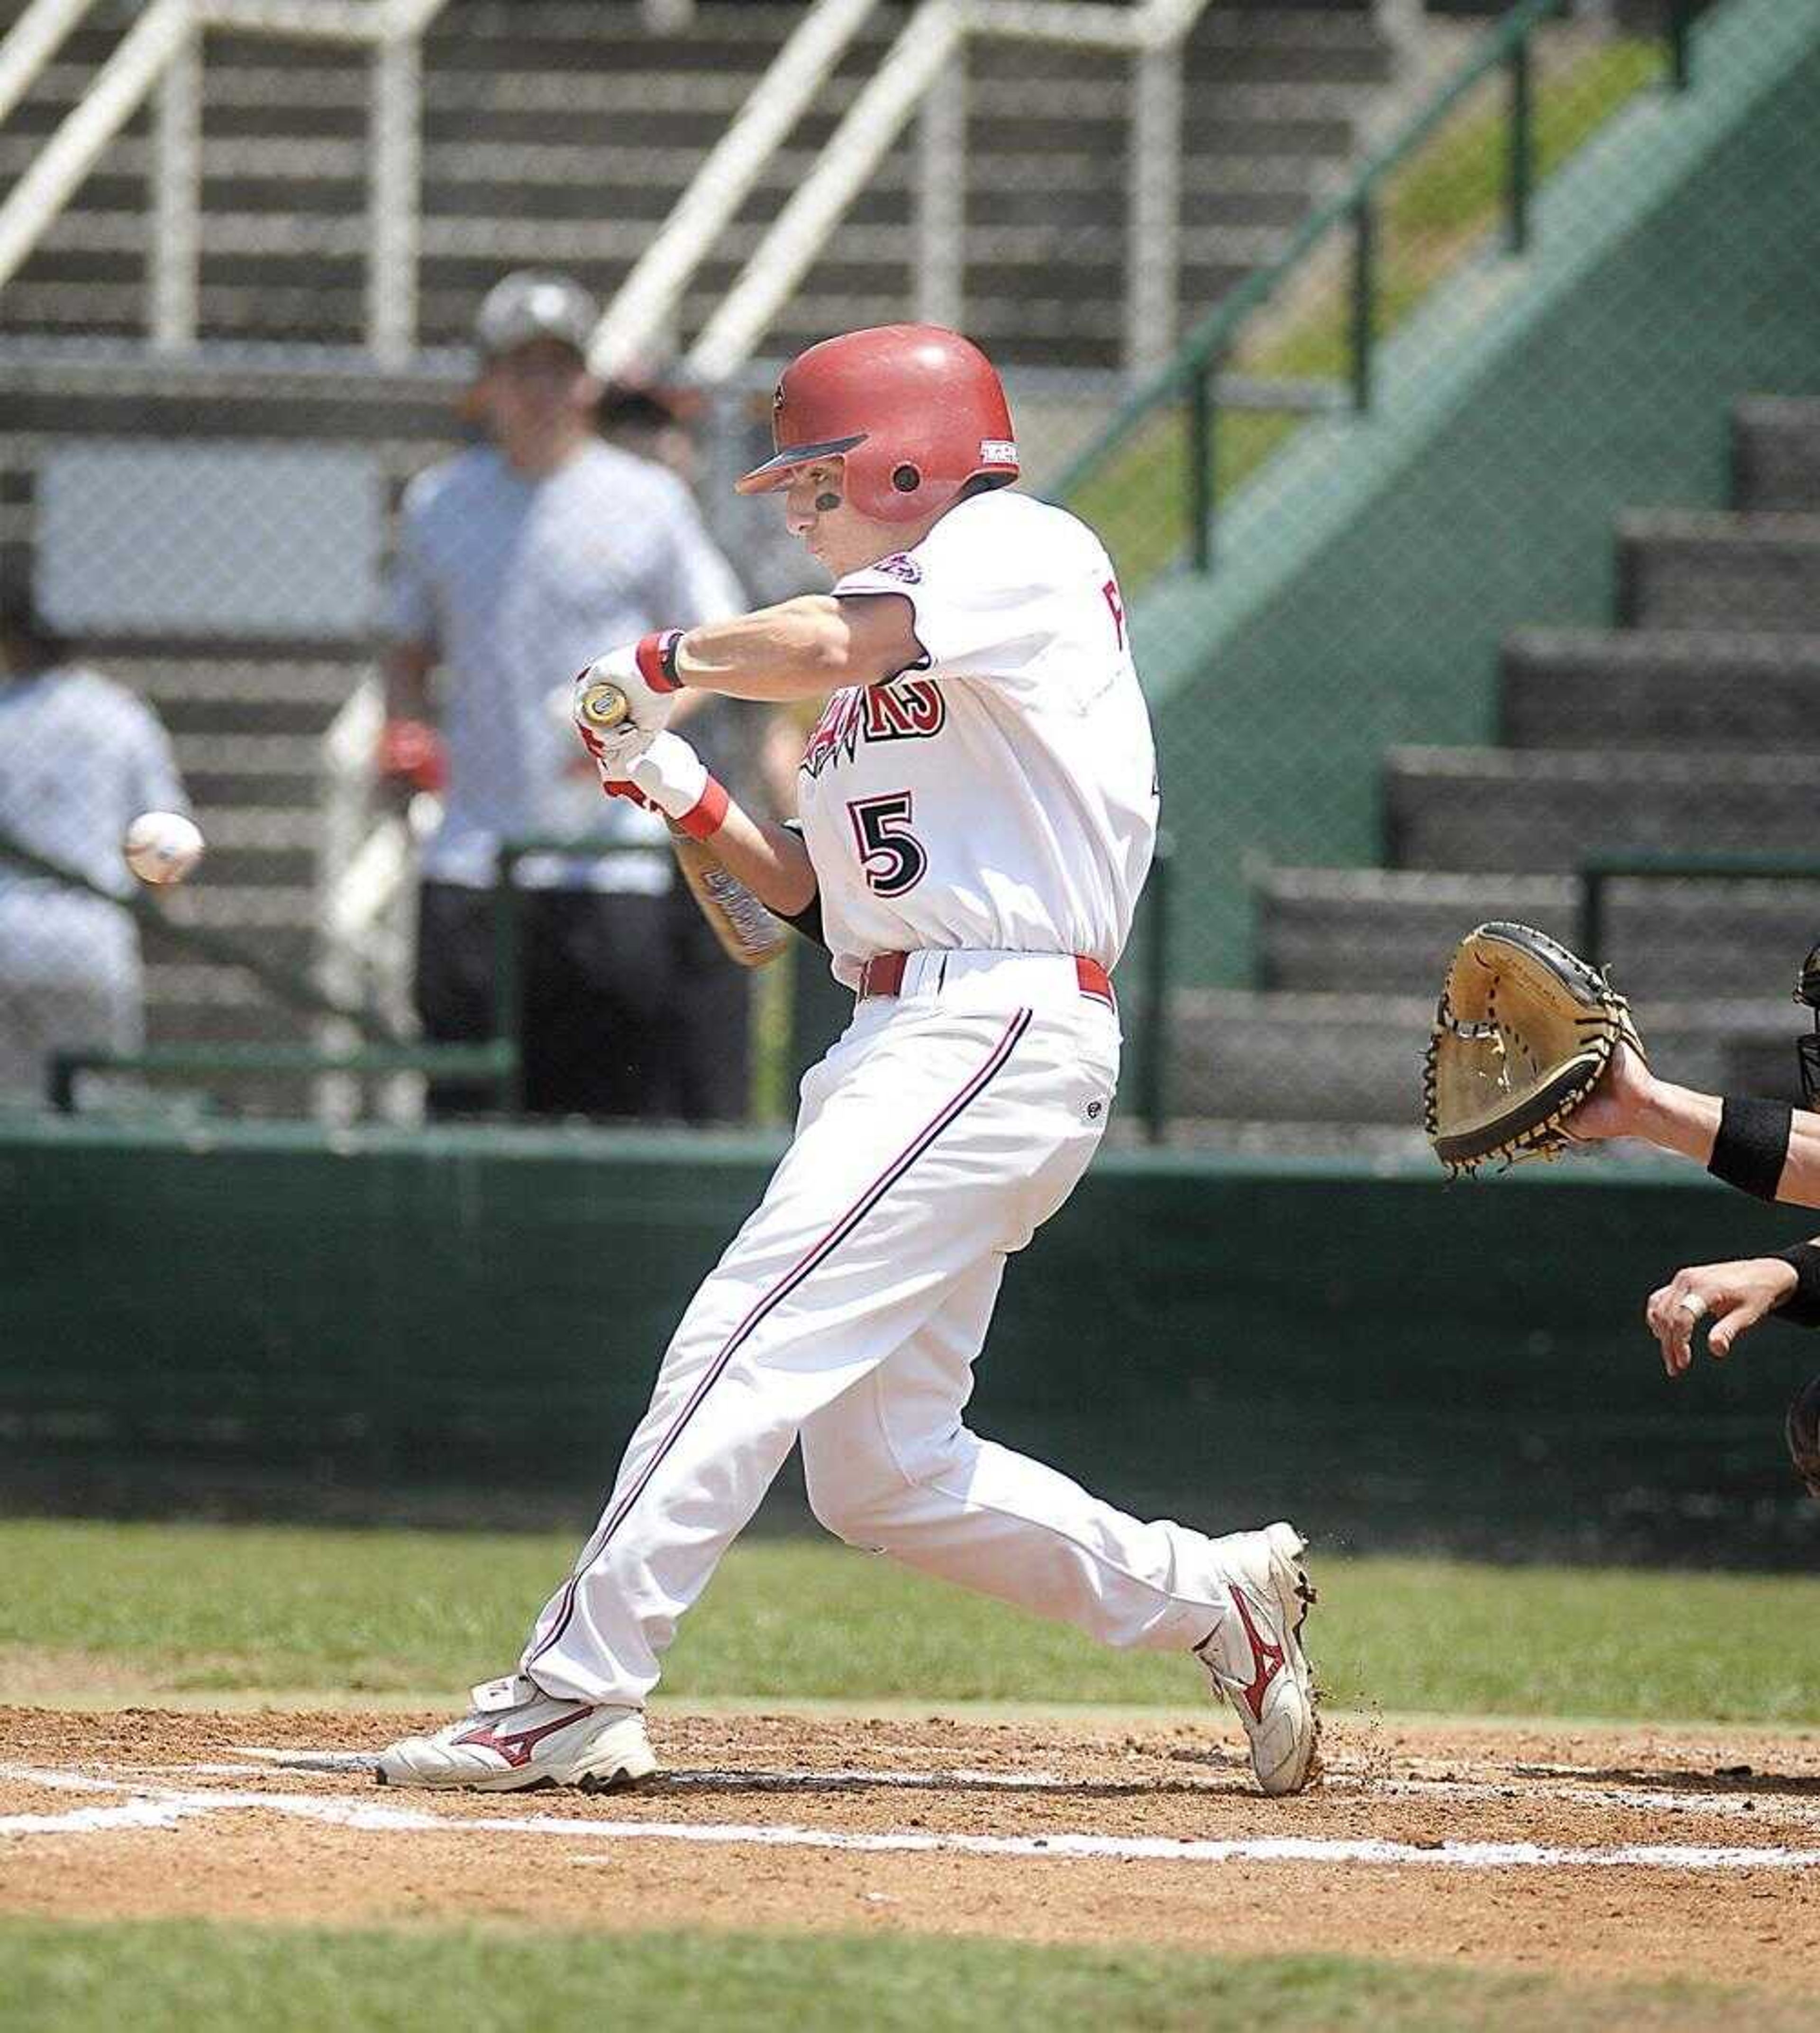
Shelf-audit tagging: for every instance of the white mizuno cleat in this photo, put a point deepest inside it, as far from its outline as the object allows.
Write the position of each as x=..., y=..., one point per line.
x=1255, y=1659
x=516, y=1736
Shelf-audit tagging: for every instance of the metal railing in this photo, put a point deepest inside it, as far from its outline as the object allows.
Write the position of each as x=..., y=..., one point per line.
x=162, y=51
x=284, y=984
x=636, y=323
x=1193, y=377
x=495, y=1060
x=365, y=883
x=925, y=56
x=1154, y=1028
x=1598, y=871
x=382, y=1050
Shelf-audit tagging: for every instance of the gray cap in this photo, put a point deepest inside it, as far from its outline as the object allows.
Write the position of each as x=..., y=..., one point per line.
x=530, y=304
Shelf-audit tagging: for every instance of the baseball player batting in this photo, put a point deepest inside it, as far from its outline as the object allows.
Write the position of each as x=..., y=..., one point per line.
x=978, y=809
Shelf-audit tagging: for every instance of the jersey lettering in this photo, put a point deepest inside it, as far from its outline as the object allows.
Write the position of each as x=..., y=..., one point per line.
x=912, y=710
x=838, y=731
x=893, y=858
x=1110, y=591
x=909, y=710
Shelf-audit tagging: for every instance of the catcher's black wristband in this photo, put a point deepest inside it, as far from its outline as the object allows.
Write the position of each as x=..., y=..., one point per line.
x=1802, y=1307
x=1752, y=1145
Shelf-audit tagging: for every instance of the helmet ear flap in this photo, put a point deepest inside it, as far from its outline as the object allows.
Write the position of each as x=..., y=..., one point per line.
x=906, y=477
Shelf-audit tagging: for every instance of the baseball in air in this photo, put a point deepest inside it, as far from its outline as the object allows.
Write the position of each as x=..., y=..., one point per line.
x=162, y=847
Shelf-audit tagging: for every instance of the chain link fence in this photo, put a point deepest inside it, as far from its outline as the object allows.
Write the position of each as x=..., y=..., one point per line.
x=1477, y=548
x=1476, y=575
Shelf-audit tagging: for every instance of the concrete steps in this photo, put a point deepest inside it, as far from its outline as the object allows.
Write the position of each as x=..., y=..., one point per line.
x=265, y=248
x=280, y=920
x=222, y=768
x=301, y=178
x=1343, y=1060
x=1776, y=455
x=1706, y=691
x=1538, y=810
x=1757, y=572
x=220, y=1005
x=232, y=700
x=1692, y=728
x=260, y=847
x=1389, y=931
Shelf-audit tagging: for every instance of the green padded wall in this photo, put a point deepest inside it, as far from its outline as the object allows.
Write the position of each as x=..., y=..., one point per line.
x=278, y=1320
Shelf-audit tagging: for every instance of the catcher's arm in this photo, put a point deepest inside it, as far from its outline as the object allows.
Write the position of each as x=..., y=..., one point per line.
x=1631, y=1101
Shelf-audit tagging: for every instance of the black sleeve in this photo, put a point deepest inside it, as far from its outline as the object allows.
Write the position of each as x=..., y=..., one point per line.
x=1802, y=1307
x=808, y=920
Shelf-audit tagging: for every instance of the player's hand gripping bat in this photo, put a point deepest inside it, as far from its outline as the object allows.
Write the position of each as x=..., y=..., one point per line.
x=748, y=933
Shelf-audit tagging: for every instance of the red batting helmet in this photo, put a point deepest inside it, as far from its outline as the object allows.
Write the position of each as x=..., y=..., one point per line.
x=916, y=410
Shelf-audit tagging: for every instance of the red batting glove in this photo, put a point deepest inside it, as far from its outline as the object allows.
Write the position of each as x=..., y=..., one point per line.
x=411, y=752
x=625, y=788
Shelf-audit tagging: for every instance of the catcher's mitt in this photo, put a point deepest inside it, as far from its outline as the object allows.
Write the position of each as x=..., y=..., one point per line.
x=1804, y=1434
x=1522, y=1034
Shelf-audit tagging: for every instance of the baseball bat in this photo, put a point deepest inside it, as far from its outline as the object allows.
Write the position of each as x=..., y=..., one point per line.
x=749, y=935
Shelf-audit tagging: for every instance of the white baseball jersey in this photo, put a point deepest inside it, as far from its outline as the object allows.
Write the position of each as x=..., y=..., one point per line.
x=1000, y=795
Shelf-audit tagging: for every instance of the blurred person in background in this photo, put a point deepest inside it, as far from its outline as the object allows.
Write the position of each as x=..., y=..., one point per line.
x=517, y=560
x=654, y=419
x=80, y=757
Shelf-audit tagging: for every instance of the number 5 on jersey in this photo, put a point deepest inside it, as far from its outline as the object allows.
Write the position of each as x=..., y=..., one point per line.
x=893, y=858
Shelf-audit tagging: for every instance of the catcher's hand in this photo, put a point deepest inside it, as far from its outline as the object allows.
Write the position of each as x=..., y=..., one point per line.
x=1523, y=1032
x=1734, y=1297
x=1804, y=1434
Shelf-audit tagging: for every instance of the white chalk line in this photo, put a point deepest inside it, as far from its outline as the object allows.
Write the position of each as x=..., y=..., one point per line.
x=1758, y=1807
x=164, y=1807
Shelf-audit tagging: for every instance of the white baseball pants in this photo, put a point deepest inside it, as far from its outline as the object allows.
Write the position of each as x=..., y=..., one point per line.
x=947, y=1123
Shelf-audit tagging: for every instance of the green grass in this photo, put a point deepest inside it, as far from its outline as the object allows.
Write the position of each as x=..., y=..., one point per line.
x=1435, y=210
x=191, y=1978
x=222, y=1608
